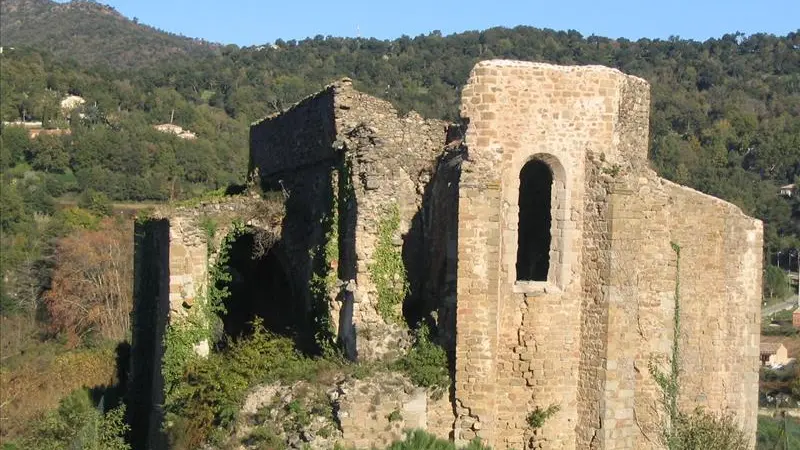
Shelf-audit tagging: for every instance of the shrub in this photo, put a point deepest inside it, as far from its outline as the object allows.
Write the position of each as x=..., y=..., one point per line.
x=78, y=424
x=211, y=391
x=92, y=287
x=421, y=440
x=426, y=363
x=702, y=430
x=539, y=416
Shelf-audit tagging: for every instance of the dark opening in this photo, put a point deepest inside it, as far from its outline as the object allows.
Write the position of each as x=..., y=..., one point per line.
x=259, y=287
x=533, y=250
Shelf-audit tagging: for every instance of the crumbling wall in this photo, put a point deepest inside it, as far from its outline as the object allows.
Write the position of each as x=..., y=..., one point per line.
x=391, y=160
x=293, y=153
x=378, y=410
x=346, y=161
x=171, y=276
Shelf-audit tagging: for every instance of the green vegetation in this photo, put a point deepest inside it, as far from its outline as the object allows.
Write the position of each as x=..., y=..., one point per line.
x=779, y=324
x=77, y=423
x=539, y=416
x=201, y=320
x=420, y=440
x=681, y=430
x=425, y=363
x=387, y=270
x=778, y=433
x=66, y=28
x=776, y=284
x=725, y=119
x=210, y=391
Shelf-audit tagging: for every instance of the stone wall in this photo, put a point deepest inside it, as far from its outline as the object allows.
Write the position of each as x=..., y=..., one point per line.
x=391, y=159
x=344, y=159
x=171, y=274
x=583, y=337
x=377, y=411
x=148, y=323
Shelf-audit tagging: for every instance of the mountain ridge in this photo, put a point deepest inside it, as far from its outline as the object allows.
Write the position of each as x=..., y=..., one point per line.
x=92, y=34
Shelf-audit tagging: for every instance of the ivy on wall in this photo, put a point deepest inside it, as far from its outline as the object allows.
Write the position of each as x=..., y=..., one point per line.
x=387, y=270
x=183, y=335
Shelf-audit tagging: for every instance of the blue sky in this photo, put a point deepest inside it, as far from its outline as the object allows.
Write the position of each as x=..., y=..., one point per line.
x=253, y=22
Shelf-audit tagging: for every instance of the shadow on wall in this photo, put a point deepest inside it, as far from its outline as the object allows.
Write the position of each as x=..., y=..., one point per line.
x=259, y=286
x=345, y=264
x=430, y=251
x=149, y=320
x=312, y=218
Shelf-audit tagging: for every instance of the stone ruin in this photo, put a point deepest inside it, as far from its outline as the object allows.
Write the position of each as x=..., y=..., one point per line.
x=535, y=239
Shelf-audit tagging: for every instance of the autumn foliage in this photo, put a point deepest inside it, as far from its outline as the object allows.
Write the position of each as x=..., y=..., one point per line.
x=91, y=290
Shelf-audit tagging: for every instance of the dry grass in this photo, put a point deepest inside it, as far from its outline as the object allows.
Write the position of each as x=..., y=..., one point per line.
x=34, y=382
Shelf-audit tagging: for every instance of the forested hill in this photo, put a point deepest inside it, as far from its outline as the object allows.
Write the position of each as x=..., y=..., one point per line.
x=725, y=113
x=91, y=33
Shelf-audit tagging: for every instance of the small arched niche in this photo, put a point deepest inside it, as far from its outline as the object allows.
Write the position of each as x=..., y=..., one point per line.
x=541, y=214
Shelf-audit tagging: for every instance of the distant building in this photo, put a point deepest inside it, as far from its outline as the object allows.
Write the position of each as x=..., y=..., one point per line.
x=774, y=354
x=787, y=191
x=176, y=130
x=71, y=102
x=23, y=124
x=33, y=132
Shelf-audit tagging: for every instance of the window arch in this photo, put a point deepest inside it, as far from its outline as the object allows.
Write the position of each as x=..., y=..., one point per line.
x=534, y=236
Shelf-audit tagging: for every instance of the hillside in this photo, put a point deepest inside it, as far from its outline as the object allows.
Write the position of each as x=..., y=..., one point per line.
x=725, y=119
x=91, y=33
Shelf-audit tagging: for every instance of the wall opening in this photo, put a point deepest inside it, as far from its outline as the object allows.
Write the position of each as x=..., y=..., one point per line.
x=535, y=219
x=260, y=287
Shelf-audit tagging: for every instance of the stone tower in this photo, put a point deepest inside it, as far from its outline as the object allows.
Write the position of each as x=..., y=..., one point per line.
x=567, y=266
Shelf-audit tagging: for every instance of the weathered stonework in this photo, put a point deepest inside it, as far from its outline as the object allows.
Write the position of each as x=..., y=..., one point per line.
x=171, y=276
x=582, y=333
x=583, y=338
x=369, y=159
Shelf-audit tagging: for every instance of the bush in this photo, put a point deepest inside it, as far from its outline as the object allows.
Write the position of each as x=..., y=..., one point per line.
x=91, y=289
x=211, y=392
x=539, y=416
x=421, y=440
x=702, y=430
x=426, y=363
x=778, y=433
x=78, y=424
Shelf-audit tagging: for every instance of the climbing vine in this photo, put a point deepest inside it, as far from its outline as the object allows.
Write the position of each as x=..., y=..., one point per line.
x=388, y=271
x=183, y=335
x=668, y=382
x=697, y=429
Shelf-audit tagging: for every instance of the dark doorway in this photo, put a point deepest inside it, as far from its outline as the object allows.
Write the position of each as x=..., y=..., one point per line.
x=259, y=287
x=533, y=235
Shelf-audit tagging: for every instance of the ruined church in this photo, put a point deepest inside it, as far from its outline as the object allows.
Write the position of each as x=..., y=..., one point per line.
x=532, y=236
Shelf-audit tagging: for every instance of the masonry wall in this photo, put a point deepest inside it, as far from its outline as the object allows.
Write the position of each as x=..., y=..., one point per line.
x=582, y=338
x=391, y=160
x=295, y=155
x=172, y=261
x=343, y=156
x=721, y=269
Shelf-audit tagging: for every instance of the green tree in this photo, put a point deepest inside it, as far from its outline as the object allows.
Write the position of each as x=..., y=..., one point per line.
x=48, y=154
x=776, y=283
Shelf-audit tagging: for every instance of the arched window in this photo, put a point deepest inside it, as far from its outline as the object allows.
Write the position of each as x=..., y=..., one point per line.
x=535, y=218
